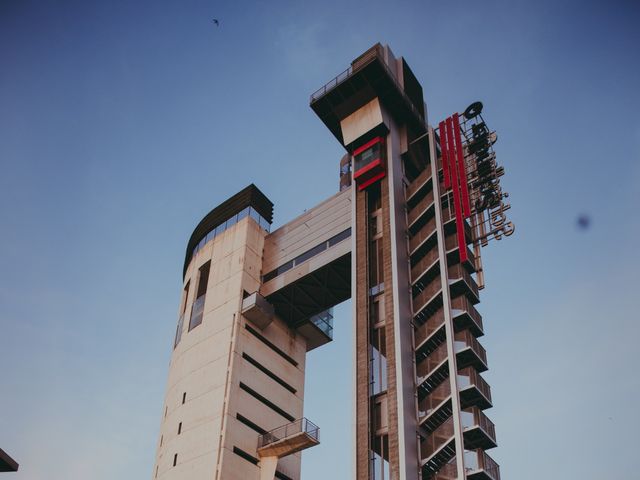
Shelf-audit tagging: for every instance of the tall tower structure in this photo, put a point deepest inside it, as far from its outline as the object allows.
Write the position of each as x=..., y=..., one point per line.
x=402, y=238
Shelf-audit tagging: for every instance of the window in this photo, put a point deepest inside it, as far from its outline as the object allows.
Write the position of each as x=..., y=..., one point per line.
x=380, y=458
x=378, y=361
x=175, y=459
x=268, y=372
x=367, y=153
x=303, y=257
x=269, y=344
x=253, y=426
x=378, y=313
x=197, y=309
x=266, y=402
x=183, y=308
x=178, y=331
x=179, y=428
x=376, y=263
x=184, y=397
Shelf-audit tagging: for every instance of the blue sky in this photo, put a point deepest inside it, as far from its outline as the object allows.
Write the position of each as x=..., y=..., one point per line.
x=122, y=123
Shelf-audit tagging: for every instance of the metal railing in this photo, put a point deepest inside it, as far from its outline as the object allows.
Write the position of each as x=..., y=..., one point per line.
x=490, y=466
x=465, y=339
x=290, y=429
x=331, y=84
x=468, y=377
x=359, y=62
x=476, y=460
x=463, y=304
x=473, y=417
x=458, y=272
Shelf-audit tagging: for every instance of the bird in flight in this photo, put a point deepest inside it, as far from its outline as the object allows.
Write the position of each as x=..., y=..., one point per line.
x=216, y=22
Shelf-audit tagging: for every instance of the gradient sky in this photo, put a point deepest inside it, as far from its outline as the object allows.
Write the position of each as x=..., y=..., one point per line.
x=122, y=123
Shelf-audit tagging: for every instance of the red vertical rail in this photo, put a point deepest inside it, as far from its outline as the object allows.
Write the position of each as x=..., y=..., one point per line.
x=462, y=244
x=462, y=169
x=445, y=156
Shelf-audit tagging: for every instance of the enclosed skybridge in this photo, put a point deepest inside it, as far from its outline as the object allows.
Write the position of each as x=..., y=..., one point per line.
x=307, y=267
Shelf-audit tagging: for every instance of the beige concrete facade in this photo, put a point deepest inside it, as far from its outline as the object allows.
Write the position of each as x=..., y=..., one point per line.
x=212, y=380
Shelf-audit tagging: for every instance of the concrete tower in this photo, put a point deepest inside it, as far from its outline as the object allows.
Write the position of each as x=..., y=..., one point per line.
x=401, y=238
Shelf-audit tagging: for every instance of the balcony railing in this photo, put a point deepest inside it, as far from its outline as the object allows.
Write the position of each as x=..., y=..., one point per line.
x=477, y=462
x=464, y=340
x=458, y=273
x=461, y=306
x=367, y=57
x=301, y=426
x=468, y=377
x=473, y=417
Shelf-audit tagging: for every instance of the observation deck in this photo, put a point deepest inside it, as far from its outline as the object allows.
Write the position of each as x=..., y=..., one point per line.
x=287, y=439
x=368, y=77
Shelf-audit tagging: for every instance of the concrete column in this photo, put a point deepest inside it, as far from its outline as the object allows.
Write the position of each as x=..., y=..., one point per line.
x=268, y=467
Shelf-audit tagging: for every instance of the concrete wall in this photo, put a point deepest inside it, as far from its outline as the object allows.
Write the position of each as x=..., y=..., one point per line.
x=313, y=227
x=207, y=366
